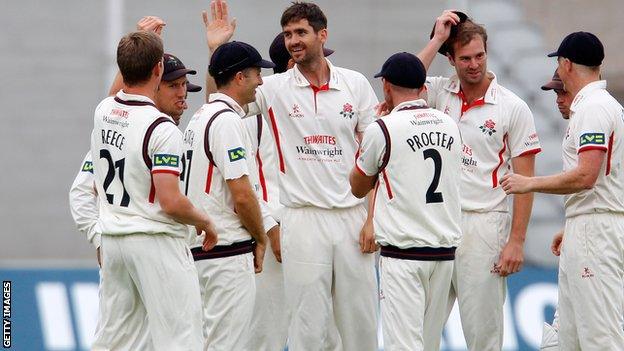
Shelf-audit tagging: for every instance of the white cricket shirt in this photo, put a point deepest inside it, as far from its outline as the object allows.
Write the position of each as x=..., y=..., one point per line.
x=83, y=202
x=494, y=129
x=315, y=133
x=596, y=123
x=263, y=145
x=204, y=181
x=417, y=200
x=131, y=140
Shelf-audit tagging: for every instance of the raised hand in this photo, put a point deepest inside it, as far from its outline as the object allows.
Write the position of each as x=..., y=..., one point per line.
x=219, y=28
x=444, y=23
x=151, y=24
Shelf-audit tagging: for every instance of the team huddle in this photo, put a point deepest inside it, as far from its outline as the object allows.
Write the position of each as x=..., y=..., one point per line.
x=308, y=163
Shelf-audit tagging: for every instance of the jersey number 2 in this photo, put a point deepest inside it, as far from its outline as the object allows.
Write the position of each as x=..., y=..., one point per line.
x=433, y=196
x=110, y=175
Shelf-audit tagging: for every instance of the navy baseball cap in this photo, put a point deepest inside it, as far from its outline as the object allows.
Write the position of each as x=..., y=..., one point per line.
x=174, y=69
x=404, y=69
x=444, y=48
x=236, y=56
x=280, y=55
x=582, y=48
x=554, y=84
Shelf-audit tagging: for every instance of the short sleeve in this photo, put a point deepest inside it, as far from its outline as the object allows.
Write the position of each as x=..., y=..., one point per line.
x=83, y=202
x=366, y=109
x=433, y=86
x=227, y=145
x=591, y=132
x=165, y=148
x=371, y=151
x=523, y=139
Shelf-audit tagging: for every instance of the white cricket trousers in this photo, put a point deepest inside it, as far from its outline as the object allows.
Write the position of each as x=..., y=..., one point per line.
x=480, y=291
x=591, y=283
x=269, y=322
x=228, y=290
x=414, y=297
x=148, y=276
x=326, y=276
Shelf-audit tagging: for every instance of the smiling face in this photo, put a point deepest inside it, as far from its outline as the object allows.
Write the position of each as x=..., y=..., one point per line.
x=171, y=97
x=250, y=80
x=304, y=44
x=470, y=61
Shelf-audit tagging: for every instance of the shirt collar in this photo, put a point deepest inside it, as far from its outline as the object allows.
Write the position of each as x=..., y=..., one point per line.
x=491, y=94
x=334, y=81
x=420, y=103
x=585, y=91
x=233, y=104
x=125, y=97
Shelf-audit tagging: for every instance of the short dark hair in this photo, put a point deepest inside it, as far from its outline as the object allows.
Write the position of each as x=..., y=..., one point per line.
x=224, y=79
x=137, y=54
x=466, y=31
x=305, y=10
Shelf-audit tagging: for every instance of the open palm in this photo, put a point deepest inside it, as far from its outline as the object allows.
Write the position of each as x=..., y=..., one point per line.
x=219, y=28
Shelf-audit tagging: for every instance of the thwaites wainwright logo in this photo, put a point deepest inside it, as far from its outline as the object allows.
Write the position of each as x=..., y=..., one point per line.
x=296, y=112
x=488, y=127
x=347, y=111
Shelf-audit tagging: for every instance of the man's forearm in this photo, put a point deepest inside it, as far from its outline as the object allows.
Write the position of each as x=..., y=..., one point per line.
x=562, y=184
x=248, y=210
x=428, y=53
x=522, y=206
x=183, y=211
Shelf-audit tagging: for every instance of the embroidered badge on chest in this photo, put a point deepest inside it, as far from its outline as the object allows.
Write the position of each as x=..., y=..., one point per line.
x=296, y=112
x=488, y=127
x=347, y=111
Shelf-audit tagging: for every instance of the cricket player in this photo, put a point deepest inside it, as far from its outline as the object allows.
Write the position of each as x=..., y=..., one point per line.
x=591, y=268
x=316, y=112
x=220, y=161
x=147, y=268
x=550, y=339
x=498, y=133
x=412, y=157
x=170, y=99
x=269, y=324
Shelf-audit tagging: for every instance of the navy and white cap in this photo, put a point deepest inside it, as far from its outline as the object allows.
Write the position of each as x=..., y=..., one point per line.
x=582, y=48
x=236, y=56
x=174, y=69
x=405, y=70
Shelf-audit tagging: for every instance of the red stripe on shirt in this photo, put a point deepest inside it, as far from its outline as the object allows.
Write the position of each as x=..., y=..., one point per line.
x=390, y=196
x=152, y=193
x=277, y=140
x=609, y=151
x=592, y=147
x=360, y=170
x=165, y=171
x=209, y=178
x=531, y=152
x=500, y=162
x=261, y=176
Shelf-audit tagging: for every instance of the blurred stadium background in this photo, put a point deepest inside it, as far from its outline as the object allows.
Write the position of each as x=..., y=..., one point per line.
x=58, y=59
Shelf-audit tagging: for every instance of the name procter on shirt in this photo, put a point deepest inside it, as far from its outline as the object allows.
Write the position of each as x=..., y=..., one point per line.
x=417, y=201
